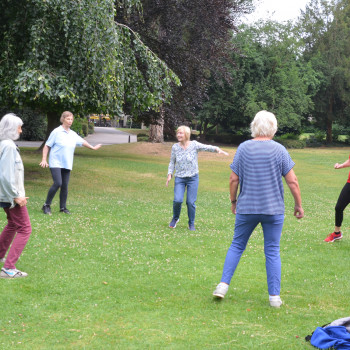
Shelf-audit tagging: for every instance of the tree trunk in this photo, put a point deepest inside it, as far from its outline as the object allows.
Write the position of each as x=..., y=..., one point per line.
x=329, y=135
x=156, y=131
x=53, y=121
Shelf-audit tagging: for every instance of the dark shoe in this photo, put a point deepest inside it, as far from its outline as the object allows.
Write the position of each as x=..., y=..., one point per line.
x=46, y=209
x=65, y=210
x=173, y=223
x=191, y=227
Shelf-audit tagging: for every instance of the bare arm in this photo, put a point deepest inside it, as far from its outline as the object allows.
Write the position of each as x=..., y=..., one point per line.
x=43, y=162
x=234, y=182
x=87, y=145
x=293, y=185
x=168, y=179
x=220, y=151
x=344, y=165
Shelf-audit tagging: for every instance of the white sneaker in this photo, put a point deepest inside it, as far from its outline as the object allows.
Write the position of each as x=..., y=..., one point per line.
x=221, y=290
x=275, y=301
x=12, y=273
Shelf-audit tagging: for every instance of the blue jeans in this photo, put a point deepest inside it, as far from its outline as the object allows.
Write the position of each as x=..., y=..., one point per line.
x=272, y=227
x=179, y=191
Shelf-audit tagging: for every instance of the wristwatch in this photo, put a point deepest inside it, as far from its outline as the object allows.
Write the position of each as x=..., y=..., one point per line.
x=234, y=201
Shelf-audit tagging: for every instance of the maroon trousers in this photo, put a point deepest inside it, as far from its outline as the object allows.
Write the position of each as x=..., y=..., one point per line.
x=17, y=232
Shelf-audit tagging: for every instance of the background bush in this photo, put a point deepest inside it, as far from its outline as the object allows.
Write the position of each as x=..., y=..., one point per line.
x=80, y=126
x=34, y=123
x=296, y=144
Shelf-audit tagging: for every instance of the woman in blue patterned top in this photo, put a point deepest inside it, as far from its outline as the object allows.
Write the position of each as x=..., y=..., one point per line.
x=257, y=168
x=184, y=160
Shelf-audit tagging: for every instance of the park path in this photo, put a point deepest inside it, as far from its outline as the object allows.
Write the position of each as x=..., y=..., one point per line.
x=103, y=135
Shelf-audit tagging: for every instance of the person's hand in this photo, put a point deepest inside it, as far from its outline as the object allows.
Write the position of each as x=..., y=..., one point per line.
x=97, y=147
x=222, y=152
x=234, y=208
x=21, y=201
x=168, y=180
x=337, y=166
x=44, y=164
x=298, y=212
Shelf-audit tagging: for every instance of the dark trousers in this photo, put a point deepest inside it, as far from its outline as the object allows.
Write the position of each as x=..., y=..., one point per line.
x=343, y=201
x=60, y=178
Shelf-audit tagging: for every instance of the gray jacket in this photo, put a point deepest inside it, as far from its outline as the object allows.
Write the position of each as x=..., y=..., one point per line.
x=11, y=173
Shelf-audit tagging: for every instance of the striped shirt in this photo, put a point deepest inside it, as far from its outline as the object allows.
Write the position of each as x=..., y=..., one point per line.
x=260, y=166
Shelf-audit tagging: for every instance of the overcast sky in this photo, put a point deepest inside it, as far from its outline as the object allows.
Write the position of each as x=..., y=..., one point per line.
x=278, y=10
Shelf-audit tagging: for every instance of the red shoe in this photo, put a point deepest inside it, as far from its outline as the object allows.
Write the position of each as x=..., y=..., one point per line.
x=333, y=237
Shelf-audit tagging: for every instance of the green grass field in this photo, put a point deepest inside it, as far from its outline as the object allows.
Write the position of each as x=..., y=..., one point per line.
x=114, y=276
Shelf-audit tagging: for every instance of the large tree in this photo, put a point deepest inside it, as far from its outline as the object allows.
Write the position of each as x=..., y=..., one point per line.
x=269, y=73
x=194, y=38
x=325, y=29
x=66, y=54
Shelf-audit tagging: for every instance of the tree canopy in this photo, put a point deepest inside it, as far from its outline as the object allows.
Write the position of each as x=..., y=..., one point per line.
x=65, y=54
x=194, y=38
x=269, y=73
x=325, y=29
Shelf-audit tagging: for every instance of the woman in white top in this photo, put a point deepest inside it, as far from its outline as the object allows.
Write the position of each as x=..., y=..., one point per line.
x=61, y=145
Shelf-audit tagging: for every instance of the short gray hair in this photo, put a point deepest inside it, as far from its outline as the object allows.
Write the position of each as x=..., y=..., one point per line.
x=264, y=124
x=9, y=127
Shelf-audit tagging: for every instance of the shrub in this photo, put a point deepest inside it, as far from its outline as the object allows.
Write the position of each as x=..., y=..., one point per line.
x=289, y=136
x=297, y=144
x=91, y=128
x=227, y=138
x=80, y=126
x=34, y=123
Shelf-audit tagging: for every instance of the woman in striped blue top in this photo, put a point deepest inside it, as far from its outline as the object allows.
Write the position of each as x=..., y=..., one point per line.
x=257, y=168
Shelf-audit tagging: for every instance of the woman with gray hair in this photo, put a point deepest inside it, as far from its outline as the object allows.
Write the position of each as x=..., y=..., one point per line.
x=257, y=168
x=61, y=145
x=12, y=197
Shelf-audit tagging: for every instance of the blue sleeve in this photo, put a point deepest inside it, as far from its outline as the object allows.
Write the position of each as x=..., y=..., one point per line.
x=236, y=161
x=287, y=162
x=79, y=140
x=52, y=139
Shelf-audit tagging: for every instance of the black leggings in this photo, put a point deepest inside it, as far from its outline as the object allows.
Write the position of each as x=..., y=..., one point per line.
x=343, y=201
x=60, y=178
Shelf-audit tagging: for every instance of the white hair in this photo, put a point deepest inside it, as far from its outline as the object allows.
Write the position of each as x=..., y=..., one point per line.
x=9, y=127
x=264, y=124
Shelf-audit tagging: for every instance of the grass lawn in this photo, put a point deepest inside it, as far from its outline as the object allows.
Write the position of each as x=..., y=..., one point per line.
x=114, y=276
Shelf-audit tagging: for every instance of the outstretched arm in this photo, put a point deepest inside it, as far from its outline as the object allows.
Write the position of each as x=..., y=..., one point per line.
x=344, y=165
x=87, y=145
x=220, y=151
x=293, y=185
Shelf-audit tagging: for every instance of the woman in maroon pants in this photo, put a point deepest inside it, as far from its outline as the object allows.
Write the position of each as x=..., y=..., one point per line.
x=12, y=198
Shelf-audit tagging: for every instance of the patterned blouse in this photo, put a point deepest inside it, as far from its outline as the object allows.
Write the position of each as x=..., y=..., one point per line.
x=185, y=161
